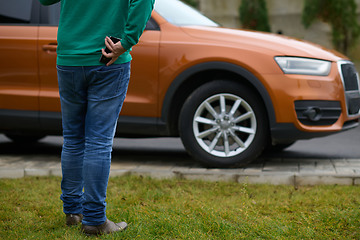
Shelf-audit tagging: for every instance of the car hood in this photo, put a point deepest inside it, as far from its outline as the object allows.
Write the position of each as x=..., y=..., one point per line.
x=264, y=42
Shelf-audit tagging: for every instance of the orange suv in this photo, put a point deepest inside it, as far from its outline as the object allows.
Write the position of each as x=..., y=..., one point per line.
x=228, y=94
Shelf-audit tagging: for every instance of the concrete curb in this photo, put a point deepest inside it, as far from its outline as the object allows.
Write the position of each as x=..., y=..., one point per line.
x=271, y=171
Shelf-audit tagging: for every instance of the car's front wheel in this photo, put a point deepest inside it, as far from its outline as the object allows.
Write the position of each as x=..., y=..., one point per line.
x=223, y=124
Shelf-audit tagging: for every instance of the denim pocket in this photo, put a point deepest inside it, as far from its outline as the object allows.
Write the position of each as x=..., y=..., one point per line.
x=66, y=81
x=108, y=83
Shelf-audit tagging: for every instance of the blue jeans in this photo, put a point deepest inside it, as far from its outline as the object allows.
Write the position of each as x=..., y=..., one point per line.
x=91, y=100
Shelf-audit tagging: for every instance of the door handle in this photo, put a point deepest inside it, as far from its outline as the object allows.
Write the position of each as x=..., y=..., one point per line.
x=50, y=48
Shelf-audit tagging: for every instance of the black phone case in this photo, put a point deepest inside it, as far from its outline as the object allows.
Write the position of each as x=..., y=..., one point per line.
x=104, y=59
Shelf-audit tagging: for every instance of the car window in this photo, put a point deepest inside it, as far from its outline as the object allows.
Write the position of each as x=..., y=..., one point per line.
x=28, y=12
x=49, y=15
x=180, y=14
x=152, y=25
x=10, y=12
x=32, y=12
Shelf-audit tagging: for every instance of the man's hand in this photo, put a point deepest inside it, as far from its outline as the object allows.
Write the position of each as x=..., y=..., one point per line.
x=115, y=48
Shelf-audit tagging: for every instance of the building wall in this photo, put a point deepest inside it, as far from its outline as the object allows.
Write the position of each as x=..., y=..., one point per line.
x=284, y=16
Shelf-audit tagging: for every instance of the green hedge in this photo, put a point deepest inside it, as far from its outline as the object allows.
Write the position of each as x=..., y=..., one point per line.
x=194, y=3
x=254, y=15
x=342, y=17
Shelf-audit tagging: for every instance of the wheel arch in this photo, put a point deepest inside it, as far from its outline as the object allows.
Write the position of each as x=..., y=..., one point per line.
x=186, y=82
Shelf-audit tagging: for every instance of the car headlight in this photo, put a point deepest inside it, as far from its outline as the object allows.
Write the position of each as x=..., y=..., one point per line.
x=304, y=66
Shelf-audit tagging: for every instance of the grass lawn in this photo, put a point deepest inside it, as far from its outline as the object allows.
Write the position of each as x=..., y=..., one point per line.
x=184, y=209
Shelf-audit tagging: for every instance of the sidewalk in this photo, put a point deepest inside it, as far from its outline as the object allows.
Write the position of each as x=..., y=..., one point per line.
x=275, y=171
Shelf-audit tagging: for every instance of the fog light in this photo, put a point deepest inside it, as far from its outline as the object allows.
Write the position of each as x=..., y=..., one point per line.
x=313, y=113
x=317, y=113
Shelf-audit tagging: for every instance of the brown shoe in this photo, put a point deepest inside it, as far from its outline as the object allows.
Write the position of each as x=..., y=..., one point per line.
x=105, y=228
x=73, y=219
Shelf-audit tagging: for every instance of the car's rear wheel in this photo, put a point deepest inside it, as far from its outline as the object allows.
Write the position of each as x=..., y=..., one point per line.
x=19, y=138
x=223, y=124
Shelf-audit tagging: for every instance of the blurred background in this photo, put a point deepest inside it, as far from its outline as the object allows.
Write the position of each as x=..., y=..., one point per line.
x=330, y=23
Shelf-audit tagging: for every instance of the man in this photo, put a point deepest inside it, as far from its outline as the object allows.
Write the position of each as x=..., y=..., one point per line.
x=91, y=95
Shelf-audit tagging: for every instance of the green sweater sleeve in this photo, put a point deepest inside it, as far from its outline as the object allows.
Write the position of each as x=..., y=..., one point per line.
x=48, y=2
x=139, y=14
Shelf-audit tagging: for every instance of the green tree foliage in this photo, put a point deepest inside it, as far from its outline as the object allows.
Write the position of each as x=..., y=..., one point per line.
x=193, y=3
x=342, y=17
x=254, y=15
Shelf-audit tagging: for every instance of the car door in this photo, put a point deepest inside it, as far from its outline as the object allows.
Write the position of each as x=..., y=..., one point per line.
x=19, y=82
x=49, y=99
x=142, y=98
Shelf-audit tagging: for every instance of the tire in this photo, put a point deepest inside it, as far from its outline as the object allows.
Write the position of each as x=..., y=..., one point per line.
x=18, y=138
x=224, y=124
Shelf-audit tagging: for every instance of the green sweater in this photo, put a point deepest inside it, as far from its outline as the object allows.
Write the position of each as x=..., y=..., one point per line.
x=84, y=24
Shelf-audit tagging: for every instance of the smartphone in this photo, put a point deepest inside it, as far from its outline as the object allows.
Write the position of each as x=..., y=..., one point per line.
x=104, y=59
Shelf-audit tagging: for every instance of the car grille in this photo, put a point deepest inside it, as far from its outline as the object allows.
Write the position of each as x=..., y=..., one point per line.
x=350, y=79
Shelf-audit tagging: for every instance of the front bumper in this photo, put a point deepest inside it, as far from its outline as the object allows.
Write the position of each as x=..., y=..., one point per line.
x=288, y=132
x=313, y=106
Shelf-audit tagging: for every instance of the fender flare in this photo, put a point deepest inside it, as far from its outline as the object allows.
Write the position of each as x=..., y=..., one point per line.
x=251, y=79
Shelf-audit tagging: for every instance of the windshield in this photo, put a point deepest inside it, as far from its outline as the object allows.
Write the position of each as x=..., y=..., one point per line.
x=180, y=14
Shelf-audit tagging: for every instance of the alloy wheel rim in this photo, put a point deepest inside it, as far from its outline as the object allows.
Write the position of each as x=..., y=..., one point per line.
x=224, y=125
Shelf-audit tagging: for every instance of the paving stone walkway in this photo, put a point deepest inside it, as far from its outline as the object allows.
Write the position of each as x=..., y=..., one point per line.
x=275, y=171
